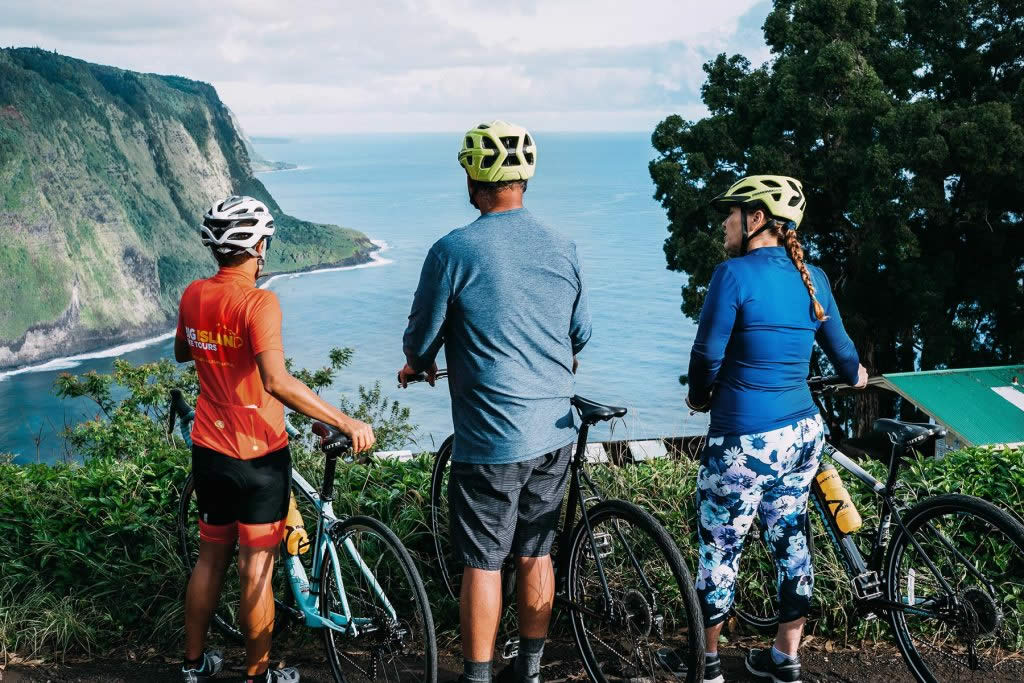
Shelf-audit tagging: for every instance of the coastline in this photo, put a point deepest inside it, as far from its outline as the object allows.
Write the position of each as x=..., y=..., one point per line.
x=369, y=259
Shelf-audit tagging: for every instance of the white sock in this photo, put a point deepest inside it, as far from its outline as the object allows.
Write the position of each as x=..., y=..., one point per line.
x=778, y=656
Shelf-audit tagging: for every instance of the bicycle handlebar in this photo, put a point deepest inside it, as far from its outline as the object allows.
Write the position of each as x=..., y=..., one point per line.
x=827, y=381
x=442, y=373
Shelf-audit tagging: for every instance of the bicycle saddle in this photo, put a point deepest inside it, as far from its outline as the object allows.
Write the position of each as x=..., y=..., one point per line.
x=592, y=412
x=331, y=440
x=907, y=434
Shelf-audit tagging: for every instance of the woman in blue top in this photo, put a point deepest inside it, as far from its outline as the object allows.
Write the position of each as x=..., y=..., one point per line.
x=749, y=366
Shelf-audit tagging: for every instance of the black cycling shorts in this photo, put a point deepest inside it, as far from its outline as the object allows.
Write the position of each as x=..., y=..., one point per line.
x=242, y=499
x=510, y=508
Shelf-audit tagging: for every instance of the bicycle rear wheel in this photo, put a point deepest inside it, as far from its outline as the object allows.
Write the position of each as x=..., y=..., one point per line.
x=371, y=589
x=975, y=631
x=225, y=618
x=654, y=611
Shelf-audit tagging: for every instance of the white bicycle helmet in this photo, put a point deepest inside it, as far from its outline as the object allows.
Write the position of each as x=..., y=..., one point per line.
x=237, y=224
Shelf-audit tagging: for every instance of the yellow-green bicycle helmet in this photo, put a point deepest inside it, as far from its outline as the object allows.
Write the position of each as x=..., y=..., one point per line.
x=497, y=152
x=781, y=196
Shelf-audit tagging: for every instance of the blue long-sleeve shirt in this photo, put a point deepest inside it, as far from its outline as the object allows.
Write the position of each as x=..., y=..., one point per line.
x=505, y=297
x=754, y=343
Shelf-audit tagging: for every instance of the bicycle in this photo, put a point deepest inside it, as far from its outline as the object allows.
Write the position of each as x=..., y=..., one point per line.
x=940, y=580
x=371, y=609
x=634, y=611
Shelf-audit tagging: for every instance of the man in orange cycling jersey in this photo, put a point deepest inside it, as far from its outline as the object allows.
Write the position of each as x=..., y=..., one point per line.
x=240, y=456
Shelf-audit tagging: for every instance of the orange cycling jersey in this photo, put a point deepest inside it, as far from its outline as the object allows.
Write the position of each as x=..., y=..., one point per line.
x=226, y=322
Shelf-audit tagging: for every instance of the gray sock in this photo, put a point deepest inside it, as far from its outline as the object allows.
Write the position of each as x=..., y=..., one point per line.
x=476, y=672
x=528, y=657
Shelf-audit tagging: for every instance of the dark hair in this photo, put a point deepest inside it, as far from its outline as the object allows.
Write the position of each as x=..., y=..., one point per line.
x=494, y=188
x=235, y=258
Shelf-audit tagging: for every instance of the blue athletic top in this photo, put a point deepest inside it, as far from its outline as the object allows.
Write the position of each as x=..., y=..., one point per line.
x=506, y=298
x=754, y=343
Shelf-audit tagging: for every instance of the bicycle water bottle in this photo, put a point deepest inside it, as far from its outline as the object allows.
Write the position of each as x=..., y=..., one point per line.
x=837, y=499
x=296, y=540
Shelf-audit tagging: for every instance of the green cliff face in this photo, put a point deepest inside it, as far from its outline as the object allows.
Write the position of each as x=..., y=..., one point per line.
x=104, y=175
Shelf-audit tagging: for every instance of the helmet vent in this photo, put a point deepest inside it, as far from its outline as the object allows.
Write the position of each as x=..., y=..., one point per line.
x=529, y=157
x=793, y=185
x=794, y=200
x=777, y=196
x=247, y=223
x=745, y=189
x=483, y=126
x=469, y=142
x=771, y=183
x=510, y=142
x=527, y=141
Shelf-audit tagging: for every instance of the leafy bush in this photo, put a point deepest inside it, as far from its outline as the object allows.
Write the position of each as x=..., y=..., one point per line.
x=90, y=553
x=90, y=557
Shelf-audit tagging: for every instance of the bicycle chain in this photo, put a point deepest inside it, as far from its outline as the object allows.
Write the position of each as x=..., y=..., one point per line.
x=969, y=623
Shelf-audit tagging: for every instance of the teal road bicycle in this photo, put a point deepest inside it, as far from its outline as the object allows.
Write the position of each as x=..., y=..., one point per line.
x=357, y=585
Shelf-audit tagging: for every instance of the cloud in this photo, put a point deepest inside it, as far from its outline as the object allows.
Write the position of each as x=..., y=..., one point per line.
x=322, y=66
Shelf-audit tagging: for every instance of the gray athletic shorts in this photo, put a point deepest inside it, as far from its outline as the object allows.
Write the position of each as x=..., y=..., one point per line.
x=511, y=508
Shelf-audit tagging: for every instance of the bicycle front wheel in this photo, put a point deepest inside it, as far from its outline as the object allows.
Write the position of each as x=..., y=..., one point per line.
x=647, y=625
x=974, y=629
x=370, y=590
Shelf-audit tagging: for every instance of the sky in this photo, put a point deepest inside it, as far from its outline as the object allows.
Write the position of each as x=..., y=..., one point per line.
x=314, y=67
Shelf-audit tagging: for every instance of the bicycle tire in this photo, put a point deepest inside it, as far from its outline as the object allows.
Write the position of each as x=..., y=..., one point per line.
x=927, y=512
x=399, y=555
x=223, y=620
x=438, y=517
x=640, y=617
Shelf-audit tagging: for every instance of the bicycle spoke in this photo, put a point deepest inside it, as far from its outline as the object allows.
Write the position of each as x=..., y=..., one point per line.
x=647, y=611
x=385, y=634
x=975, y=630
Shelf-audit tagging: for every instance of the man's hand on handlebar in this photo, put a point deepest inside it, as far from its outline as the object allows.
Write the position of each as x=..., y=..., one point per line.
x=407, y=374
x=359, y=432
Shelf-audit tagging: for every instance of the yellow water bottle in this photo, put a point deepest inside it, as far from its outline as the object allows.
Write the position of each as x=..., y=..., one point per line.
x=296, y=540
x=837, y=499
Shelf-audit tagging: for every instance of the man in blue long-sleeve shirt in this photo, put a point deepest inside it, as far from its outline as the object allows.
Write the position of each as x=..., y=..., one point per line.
x=505, y=297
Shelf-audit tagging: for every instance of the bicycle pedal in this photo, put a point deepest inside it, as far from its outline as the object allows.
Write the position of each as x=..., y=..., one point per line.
x=511, y=649
x=603, y=543
x=866, y=586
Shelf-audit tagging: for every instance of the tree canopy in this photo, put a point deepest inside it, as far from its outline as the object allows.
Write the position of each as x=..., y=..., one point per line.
x=903, y=119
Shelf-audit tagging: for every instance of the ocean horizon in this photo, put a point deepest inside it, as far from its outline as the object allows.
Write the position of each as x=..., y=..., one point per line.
x=405, y=192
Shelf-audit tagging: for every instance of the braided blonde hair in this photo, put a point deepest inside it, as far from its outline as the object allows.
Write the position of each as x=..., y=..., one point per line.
x=789, y=240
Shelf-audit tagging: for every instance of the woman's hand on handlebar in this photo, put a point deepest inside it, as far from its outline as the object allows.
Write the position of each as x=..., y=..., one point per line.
x=407, y=374
x=358, y=431
x=862, y=377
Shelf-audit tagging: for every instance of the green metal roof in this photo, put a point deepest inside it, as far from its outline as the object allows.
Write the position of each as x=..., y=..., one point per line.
x=982, y=406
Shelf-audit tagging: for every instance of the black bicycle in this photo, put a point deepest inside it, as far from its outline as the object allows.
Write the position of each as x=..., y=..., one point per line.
x=950, y=580
x=635, y=614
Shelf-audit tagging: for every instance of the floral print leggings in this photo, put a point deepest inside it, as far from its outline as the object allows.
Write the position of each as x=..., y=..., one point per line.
x=769, y=474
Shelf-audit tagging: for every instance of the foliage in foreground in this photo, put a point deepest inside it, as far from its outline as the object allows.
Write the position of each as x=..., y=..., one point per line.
x=90, y=555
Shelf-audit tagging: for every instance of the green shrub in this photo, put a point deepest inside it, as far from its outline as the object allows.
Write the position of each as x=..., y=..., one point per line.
x=90, y=555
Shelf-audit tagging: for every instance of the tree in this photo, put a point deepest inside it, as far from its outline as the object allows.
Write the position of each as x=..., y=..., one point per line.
x=903, y=120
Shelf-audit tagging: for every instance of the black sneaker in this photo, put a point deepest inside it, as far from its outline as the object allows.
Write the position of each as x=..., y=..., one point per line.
x=761, y=664
x=289, y=675
x=209, y=666
x=508, y=675
x=671, y=662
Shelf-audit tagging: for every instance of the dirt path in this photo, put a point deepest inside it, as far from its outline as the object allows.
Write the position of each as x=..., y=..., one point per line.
x=561, y=664
x=878, y=664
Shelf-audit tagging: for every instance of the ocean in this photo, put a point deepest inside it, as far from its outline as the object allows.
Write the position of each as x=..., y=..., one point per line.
x=405, y=192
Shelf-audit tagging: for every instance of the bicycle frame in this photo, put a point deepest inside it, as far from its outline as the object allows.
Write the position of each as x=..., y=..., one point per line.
x=579, y=478
x=864, y=573
x=306, y=588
